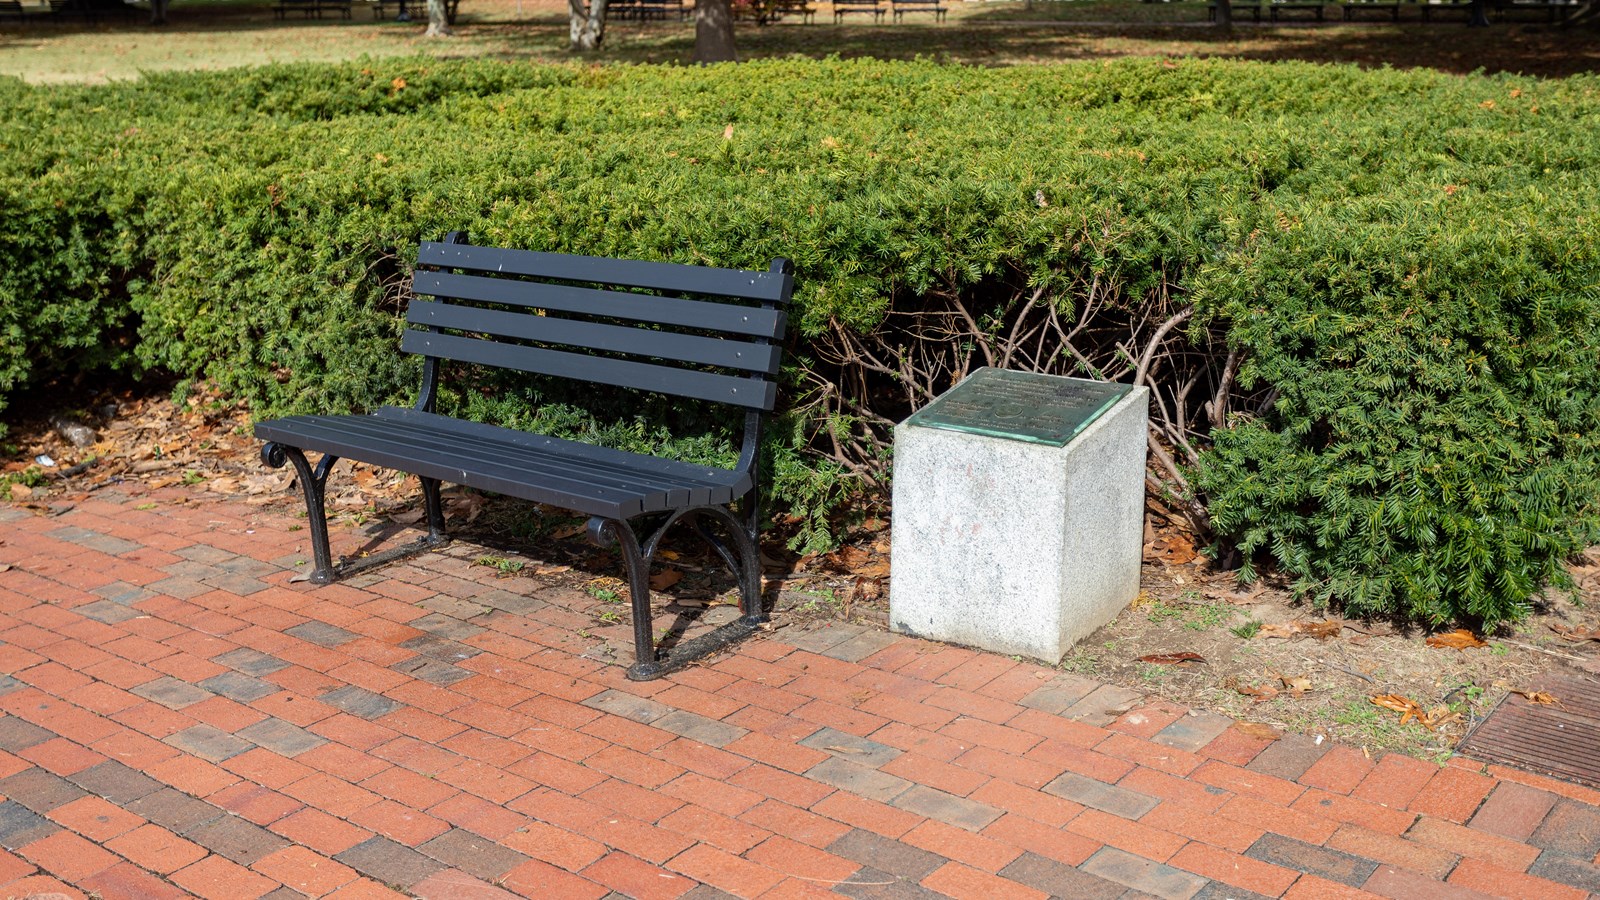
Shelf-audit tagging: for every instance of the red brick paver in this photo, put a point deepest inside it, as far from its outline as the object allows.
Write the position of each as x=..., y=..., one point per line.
x=182, y=718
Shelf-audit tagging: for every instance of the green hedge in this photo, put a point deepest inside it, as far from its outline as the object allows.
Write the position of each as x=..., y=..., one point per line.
x=1406, y=258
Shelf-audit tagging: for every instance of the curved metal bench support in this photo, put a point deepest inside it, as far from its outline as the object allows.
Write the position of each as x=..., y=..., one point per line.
x=313, y=484
x=743, y=559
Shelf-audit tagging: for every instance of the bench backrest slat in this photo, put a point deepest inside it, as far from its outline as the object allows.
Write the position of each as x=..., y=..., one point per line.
x=751, y=393
x=749, y=321
x=743, y=355
x=702, y=333
x=770, y=287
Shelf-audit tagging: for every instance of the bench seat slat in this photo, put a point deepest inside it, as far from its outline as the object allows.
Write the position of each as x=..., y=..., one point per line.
x=750, y=393
x=567, y=479
x=330, y=435
x=705, y=481
x=749, y=321
x=575, y=464
x=367, y=440
x=689, y=348
x=694, y=489
x=770, y=287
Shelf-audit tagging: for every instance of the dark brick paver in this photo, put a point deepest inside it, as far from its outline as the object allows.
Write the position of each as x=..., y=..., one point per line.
x=179, y=716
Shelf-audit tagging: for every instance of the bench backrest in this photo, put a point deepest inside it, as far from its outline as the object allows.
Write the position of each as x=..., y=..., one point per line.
x=704, y=333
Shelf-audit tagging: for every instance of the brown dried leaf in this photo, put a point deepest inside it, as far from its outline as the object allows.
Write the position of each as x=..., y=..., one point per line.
x=1538, y=697
x=1395, y=702
x=848, y=559
x=1407, y=708
x=867, y=589
x=878, y=568
x=1298, y=685
x=1258, y=731
x=571, y=531
x=406, y=517
x=1438, y=716
x=1575, y=634
x=1328, y=628
x=470, y=506
x=20, y=491
x=1460, y=639
x=1323, y=630
x=1172, y=659
x=664, y=579
x=1173, y=549
x=1259, y=694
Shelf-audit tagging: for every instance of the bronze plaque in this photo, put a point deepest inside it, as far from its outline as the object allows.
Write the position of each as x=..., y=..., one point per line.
x=1021, y=406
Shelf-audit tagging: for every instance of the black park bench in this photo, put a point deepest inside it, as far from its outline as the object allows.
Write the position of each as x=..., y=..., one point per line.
x=692, y=332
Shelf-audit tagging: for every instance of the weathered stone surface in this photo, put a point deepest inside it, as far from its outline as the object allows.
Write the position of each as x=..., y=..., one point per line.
x=1015, y=547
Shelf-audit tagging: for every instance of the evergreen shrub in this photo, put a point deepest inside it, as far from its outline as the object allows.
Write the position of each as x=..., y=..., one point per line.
x=1404, y=262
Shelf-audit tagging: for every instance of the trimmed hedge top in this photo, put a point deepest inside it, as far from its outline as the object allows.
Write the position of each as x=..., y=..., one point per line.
x=1407, y=257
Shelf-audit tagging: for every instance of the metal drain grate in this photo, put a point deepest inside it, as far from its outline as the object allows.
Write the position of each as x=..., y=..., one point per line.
x=1559, y=739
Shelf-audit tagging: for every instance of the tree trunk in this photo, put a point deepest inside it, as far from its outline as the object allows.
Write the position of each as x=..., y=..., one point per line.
x=438, y=20
x=158, y=12
x=588, y=25
x=713, y=32
x=1225, y=15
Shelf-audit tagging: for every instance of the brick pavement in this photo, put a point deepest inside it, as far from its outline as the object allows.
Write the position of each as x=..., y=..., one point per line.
x=180, y=719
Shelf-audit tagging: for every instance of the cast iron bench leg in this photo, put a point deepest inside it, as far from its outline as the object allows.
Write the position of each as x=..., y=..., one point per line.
x=313, y=483
x=743, y=559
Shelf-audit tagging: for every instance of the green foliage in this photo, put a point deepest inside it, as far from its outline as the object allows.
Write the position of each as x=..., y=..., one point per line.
x=1406, y=257
x=1432, y=452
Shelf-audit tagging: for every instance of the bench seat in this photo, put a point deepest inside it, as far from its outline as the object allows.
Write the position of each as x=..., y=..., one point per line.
x=594, y=481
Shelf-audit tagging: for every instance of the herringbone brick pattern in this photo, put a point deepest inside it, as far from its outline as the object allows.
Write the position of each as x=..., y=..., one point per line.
x=181, y=719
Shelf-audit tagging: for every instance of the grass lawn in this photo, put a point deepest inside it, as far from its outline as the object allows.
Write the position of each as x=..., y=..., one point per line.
x=207, y=34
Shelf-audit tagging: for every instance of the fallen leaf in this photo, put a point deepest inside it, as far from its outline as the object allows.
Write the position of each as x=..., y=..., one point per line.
x=5, y=567
x=470, y=506
x=867, y=589
x=1408, y=710
x=406, y=517
x=571, y=531
x=664, y=579
x=1172, y=659
x=1259, y=694
x=1396, y=703
x=838, y=749
x=847, y=559
x=1538, y=697
x=1258, y=731
x=1574, y=634
x=21, y=491
x=1298, y=685
x=1460, y=639
x=1328, y=628
x=1173, y=549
